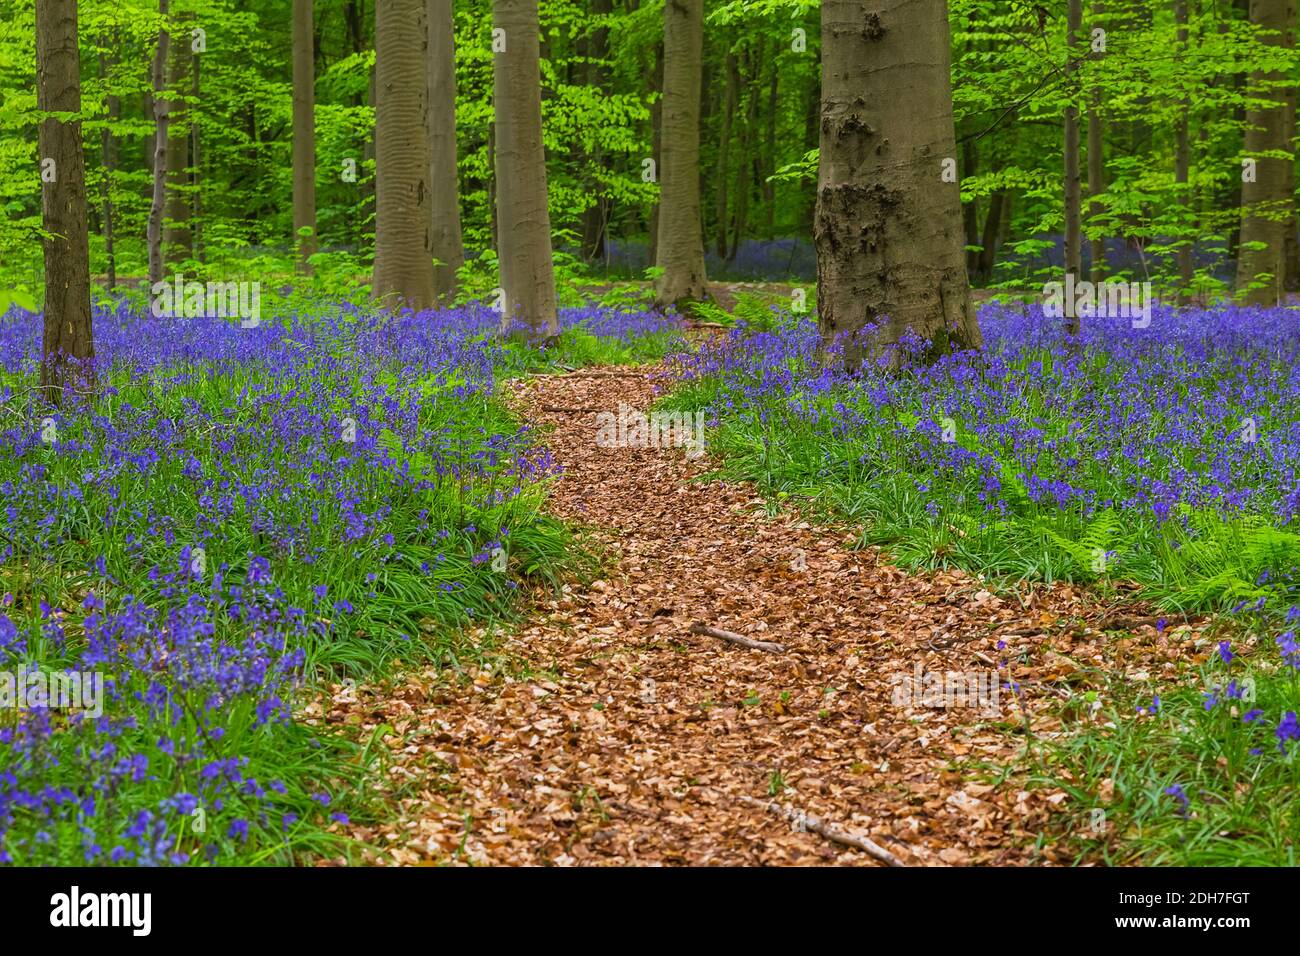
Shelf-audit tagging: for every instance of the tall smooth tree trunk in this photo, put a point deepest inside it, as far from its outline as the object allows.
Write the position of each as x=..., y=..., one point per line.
x=403, y=250
x=177, y=245
x=1183, y=162
x=595, y=217
x=769, y=188
x=681, y=234
x=67, y=348
x=304, y=135
x=744, y=169
x=888, y=228
x=527, y=272
x=108, y=149
x=656, y=149
x=153, y=230
x=1096, y=165
x=196, y=194
x=724, y=152
x=444, y=209
x=970, y=210
x=1266, y=201
x=1290, y=240
x=991, y=235
x=1073, y=230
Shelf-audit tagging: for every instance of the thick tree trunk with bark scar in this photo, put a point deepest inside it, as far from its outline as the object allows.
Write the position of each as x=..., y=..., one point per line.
x=527, y=270
x=403, y=256
x=888, y=228
x=681, y=235
x=68, y=348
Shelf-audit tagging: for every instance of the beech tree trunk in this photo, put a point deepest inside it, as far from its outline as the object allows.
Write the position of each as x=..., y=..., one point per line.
x=108, y=147
x=403, y=248
x=745, y=168
x=656, y=150
x=888, y=227
x=1266, y=202
x=524, y=243
x=1073, y=217
x=1183, y=162
x=1096, y=167
x=991, y=235
x=444, y=208
x=724, y=152
x=67, y=348
x=595, y=218
x=680, y=251
x=304, y=135
x=196, y=193
x=177, y=241
x=153, y=230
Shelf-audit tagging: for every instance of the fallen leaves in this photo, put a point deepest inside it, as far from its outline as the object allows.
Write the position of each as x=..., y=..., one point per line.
x=618, y=737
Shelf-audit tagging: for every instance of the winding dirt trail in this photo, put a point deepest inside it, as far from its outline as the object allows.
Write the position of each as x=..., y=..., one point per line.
x=613, y=735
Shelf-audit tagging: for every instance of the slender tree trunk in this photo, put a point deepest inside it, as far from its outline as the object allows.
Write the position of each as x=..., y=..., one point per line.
x=1073, y=231
x=1096, y=166
x=1290, y=240
x=744, y=169
x=369, y=194
x=176, y=210
x=304, y=136
x=492, y=184
x=888, y=229
x=811, y=140
x=724, y=151
x=196, y=166
x=403, y=250
x=769, y=188
x=681, y=234
x=991, y=235
x=108, y=148
x=970, y=210
x=354, y=19
x=595, y=216
x=1265, y=201
x=67, y=349
x=527, y=272
x=154, y=228
x=448, y=250
x=656, y=146
x=1183, y=163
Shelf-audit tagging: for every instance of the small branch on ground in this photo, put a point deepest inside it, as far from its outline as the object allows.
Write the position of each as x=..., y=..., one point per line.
x=830, y=831
x=734, y=638
x=605, y=375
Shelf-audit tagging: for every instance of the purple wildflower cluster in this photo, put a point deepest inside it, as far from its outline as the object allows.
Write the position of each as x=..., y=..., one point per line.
x=236, y=507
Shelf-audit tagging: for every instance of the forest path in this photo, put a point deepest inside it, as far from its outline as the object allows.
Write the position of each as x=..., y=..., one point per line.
x=617, y=736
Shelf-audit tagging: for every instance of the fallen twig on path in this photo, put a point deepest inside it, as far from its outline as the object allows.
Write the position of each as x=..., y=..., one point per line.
x=830, y=831
x=571, y=411
x=605, y=375
x=734, y=638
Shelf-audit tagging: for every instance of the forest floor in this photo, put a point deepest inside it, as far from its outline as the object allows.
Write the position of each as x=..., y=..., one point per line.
x=603, y=731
